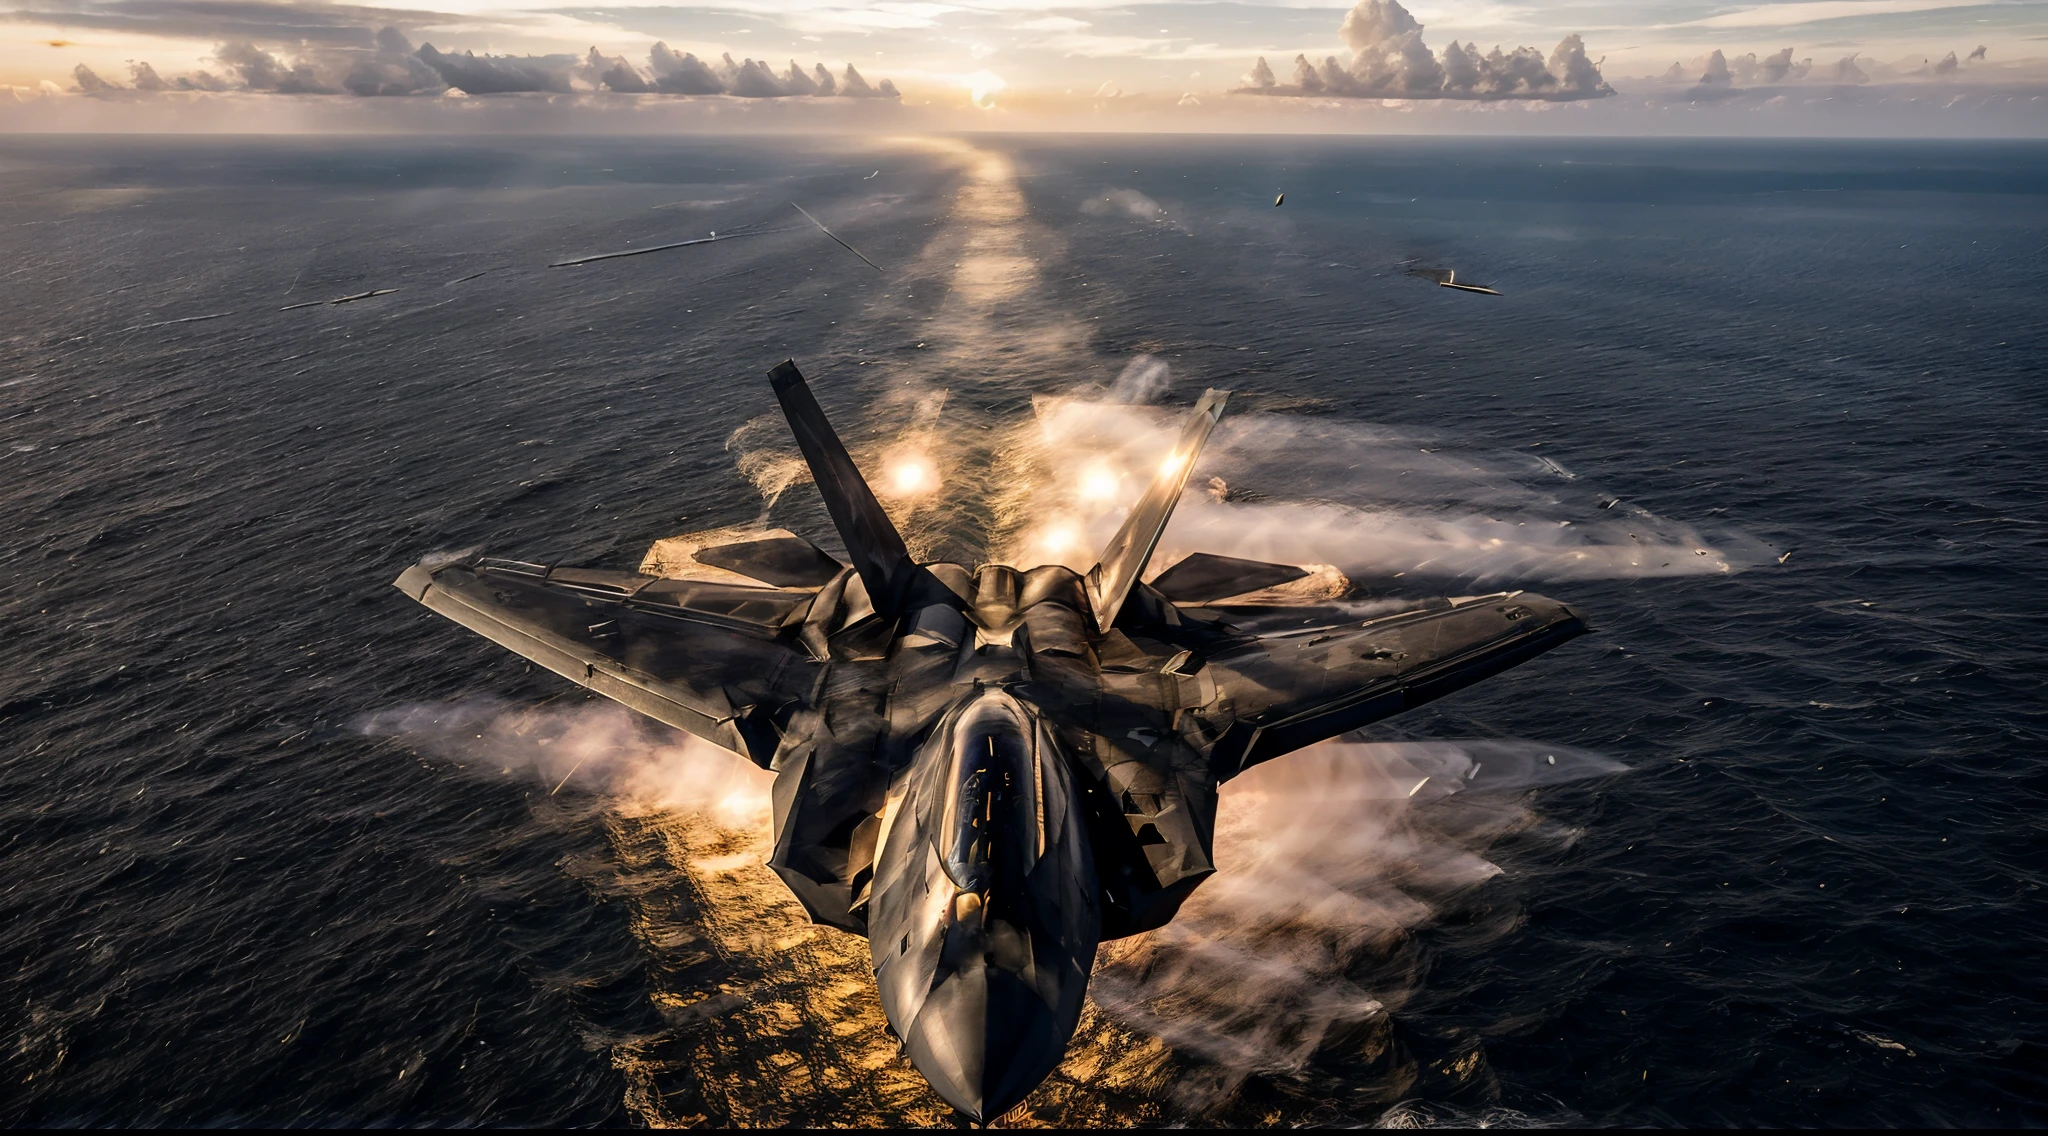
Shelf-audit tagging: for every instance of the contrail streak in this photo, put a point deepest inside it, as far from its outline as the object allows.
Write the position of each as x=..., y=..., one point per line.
x=834, y=236
x=341, y=300
x=664, y=248
x=187, y=319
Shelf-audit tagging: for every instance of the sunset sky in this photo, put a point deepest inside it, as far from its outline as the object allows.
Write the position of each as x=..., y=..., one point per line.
x=989, y=54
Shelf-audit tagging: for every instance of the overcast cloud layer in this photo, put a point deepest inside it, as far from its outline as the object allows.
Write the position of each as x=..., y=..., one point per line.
x=1229, y=64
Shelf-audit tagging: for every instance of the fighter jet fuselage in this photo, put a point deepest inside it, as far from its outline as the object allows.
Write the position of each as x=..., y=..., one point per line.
x=988, y=771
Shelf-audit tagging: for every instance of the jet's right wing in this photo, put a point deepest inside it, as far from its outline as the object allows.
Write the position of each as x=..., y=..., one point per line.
x=718, y=660
x=1332, y=671
x=1205, y=576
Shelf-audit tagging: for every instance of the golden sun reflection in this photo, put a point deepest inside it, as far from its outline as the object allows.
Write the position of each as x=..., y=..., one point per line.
x=1056, y=541
x=1099, y=483
x=912, y=475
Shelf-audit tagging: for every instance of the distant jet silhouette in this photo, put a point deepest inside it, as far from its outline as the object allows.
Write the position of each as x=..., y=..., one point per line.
x=1448, y=278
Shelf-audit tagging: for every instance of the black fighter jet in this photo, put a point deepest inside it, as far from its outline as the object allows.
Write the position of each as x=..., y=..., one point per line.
x=987, y=770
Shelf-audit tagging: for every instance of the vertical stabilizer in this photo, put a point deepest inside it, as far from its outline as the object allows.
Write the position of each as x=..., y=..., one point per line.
x=872, y=542
x=1110, y=581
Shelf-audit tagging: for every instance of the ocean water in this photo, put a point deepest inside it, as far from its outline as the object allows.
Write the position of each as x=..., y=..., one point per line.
x=284, y=848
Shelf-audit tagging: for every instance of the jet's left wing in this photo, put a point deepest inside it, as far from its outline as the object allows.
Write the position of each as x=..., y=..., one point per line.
x=718, y=660
x=1327, y=675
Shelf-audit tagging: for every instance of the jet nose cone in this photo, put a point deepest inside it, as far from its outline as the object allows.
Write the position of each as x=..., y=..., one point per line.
x=984, y=1040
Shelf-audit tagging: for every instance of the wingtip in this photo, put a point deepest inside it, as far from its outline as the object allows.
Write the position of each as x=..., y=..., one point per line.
x=785, y=375
x=414, y=582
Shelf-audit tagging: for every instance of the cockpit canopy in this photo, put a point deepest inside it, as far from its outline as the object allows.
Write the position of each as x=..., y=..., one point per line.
x=994, y=823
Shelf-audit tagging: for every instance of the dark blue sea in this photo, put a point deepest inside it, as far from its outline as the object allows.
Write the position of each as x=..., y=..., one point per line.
x=283, y=848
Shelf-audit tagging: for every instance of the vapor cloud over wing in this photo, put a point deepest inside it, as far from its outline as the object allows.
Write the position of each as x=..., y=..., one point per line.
x=1389, y=60
x=1376, y=503
x=589, y=746
x=1332, y=859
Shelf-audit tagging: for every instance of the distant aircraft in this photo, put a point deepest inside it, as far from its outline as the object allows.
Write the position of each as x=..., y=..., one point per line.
x=1448, y=278
x=1278, y=200
x=987, y=770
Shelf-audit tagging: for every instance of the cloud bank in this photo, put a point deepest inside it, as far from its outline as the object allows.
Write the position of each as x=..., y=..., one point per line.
x=216, y=65
x=1389, y=60
x=1717, y=72
x=386, y=64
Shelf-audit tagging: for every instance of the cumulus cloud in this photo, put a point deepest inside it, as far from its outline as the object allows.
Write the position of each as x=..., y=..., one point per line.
x=1779, y=67
x=391, y=69
x=382, y=69
x=798, y=81
x=146, y=78
x=855, y=87
x=1389, y=60
x=683, y=74
x=386, y=63
x=88, y=82
x=1716, y=70
x=1718, y=74
x=752, y=80
x=1387, y=51
x=261, y=71
x=612, y=73
x=202, y=81
x=500, y=74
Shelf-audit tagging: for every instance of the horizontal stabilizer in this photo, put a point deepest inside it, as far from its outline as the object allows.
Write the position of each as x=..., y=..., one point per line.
x=781, y=558
x=1109, y=583
x=1205, y=576
x=872, y=542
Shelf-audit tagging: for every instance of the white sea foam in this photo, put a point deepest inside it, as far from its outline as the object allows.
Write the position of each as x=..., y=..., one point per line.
x=1326, y=862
